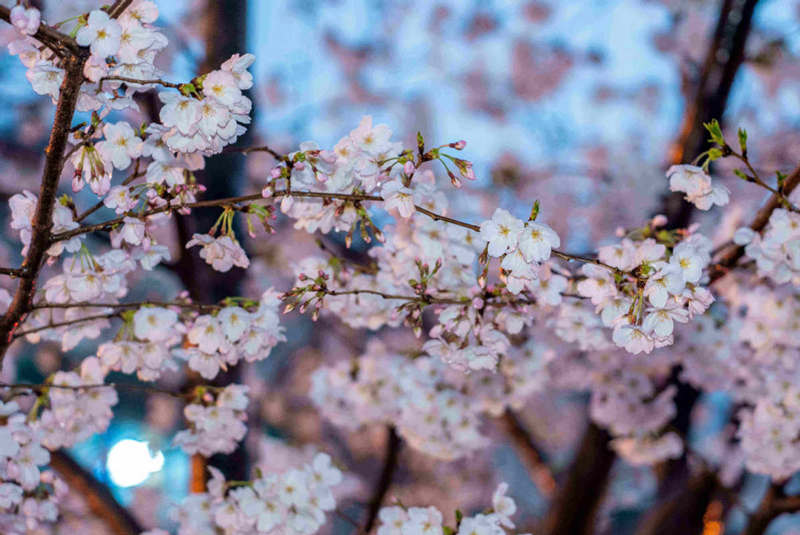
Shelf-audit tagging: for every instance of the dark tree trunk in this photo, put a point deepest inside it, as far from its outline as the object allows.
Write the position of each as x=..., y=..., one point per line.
x=225, y=29
x=575, y=506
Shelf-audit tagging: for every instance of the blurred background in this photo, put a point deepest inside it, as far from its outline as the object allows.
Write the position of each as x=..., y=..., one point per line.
x=582, y=104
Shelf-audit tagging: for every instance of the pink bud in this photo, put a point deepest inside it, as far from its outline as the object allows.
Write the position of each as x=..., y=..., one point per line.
x=300, y=166
x=659, y=221
x=276, y=172
x=408, y=168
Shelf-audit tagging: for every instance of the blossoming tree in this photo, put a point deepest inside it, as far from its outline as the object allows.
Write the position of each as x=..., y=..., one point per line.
x=493, y=309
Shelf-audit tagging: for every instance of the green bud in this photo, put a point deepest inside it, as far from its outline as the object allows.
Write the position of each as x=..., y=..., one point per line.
x=741, y=174
x=715, y=131
x=742, y=133
x=534, y=211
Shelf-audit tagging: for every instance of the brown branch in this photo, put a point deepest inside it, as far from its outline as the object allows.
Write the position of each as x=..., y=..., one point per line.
x=689, y=498
x=774, y=503
x=21, y=334
x=43, y=217
x=58, y=42
x=390, y=462
x=11, y=272
x=134, y=304
x=118, y=8
x=97, y=496
x=531, y=455
x=128, y=79
x=766, y=512
x=262, y=148
x=682, y=512
x=575, y=506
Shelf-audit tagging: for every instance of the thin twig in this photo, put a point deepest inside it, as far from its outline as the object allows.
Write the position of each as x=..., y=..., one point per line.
x=44, y=387
x=98, y=317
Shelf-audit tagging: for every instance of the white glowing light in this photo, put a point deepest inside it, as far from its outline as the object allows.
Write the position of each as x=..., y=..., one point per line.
x=130, y=462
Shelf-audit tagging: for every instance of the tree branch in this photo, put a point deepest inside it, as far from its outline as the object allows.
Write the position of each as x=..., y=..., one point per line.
x=43, y=217
x=100, y=500
x=231, y=201
x=56, y=41
x=575, y=506
x=531, y=455
x=390, y=463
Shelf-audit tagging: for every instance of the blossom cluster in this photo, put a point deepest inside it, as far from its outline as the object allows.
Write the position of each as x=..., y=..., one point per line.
x=434, y=407
x=72, y=414
x=648, y=289
x=522, y=246
x=28, y=496
x=216, y=421
x=205, y=123
x=399, y=520
x=292, y=502
x=23, y=208
x=84, y=278
x=698, y=186
x=125, y=46
x=777, y=250
x=353, y=166
x=217, y=341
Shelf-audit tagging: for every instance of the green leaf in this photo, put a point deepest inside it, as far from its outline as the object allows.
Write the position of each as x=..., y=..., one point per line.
x=715, y=131
x=714, y=154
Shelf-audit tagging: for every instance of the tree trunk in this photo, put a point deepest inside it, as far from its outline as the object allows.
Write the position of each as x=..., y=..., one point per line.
x=225, y=29
x=575, y=506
